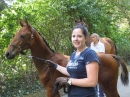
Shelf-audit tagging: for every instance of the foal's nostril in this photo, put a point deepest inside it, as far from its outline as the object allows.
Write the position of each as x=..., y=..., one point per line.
x=7, y=54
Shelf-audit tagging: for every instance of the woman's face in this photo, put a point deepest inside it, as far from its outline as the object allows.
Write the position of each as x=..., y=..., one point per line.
x=78, y=38
x=94, y=38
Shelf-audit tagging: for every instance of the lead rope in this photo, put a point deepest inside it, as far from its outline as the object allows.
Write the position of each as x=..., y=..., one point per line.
x=55, y=91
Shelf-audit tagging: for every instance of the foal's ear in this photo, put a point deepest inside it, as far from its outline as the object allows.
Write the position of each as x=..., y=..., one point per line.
x=27, y=23
x=75, y=20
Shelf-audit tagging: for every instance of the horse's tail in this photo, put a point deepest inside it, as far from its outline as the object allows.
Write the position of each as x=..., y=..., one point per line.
x=115, y=48
x=124, y=70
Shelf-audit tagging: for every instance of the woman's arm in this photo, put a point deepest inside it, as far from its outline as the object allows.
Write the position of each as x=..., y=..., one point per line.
x=62, y=70
x=92, y=76
x=56, y=66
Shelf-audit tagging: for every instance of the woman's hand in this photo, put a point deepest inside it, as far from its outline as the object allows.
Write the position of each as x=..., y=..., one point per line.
x=61, y=81
x=51, y=63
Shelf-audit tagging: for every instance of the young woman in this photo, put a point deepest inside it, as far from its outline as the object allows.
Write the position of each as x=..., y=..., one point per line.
x=82, y=67
x=97, y=46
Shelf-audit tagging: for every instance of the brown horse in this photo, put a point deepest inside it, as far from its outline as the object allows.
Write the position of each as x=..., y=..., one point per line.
x=110, y=47
x=28, y=38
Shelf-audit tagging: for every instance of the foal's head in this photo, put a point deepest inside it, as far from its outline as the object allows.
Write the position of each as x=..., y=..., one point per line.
x=21, y=41
x=80, y=21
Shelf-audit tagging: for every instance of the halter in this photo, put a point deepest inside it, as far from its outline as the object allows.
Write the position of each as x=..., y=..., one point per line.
x=28, y=43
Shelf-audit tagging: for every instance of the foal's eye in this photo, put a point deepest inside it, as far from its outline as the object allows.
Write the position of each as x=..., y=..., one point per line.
x=22, y=36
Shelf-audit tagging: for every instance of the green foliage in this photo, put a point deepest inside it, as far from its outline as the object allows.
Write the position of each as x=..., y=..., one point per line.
x=23, y=84
x=123, y=47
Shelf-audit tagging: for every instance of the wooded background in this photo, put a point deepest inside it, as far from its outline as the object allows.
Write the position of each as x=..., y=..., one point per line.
x=54, y=19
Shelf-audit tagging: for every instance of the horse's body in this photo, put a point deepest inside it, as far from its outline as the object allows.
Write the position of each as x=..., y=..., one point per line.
x=29, y=38
x=110, y=47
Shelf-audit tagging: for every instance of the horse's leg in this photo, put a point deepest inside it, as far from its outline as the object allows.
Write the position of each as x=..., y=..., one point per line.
x=108, y=77
x=110, y=90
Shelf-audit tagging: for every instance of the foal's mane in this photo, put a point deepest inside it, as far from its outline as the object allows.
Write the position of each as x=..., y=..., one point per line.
x=46, y=42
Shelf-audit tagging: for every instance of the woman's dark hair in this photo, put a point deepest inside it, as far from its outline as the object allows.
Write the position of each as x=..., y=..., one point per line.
x=83, y=28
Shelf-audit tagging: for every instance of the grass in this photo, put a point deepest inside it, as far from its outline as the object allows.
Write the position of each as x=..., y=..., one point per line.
x=38, y=94
x=41, y=94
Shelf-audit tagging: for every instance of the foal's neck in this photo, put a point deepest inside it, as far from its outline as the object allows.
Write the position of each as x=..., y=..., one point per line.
x=40, y=49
